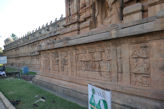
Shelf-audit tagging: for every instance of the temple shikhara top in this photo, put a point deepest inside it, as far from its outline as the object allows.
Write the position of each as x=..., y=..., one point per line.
x=114, y=44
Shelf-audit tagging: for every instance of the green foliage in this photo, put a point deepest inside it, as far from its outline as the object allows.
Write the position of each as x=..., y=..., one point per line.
x=16, y=89
x=8, y=69
x=31, y=73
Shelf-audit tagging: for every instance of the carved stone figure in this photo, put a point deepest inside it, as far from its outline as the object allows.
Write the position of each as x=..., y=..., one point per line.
x=106, y=12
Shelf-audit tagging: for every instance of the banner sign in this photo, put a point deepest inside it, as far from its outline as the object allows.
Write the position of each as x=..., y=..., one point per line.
x=3, y=59
x=98, y=98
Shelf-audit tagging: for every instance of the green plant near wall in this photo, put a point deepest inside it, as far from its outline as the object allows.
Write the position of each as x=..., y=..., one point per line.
x=9, y=69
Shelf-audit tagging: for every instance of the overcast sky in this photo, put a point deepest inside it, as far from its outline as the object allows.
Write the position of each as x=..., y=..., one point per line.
x=21, y=16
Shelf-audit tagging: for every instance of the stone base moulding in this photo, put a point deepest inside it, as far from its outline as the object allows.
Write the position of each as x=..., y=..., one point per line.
x=119, y=100
x=6, y=102
x=63, y=92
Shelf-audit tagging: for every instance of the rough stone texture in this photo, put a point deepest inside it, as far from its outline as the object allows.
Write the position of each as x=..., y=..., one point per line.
x=132, y=59
x=133, y=8
x=5, y=102
x=133, y=17
x=155, y=6
x=1, y=105
x=92, y=45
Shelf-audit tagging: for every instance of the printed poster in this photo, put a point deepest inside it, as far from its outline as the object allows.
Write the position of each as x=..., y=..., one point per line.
x=98, y=98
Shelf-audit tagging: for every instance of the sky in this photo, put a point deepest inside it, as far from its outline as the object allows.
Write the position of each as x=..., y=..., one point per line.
x=22, y=16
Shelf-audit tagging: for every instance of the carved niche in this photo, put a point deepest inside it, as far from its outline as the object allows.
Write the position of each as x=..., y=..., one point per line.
x=55, y=61
x=64, y=62
x=45, y=62
x=71, y=10
x=105, y=11
x=140, y=65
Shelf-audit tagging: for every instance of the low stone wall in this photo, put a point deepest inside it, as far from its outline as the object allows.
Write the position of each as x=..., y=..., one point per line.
x=6, y=102
x=119, y=100
x=66, y=93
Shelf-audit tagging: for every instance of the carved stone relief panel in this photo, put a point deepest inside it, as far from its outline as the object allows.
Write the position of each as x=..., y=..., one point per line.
x=55, y=61
x=64, y=62
x=107, y=11
x=102, y=61
x=45, y=63
x=140, y=65
x=71, y=6
x=72, y=62
x=94, y=63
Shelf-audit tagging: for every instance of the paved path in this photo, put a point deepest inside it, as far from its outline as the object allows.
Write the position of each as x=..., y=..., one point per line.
x=1, y=105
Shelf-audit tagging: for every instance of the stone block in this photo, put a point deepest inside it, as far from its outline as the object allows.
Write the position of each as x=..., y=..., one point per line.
x=97, y=56
x=155, y=6
x=132, y=17
x=160, y=14
x=157, y=65
x=105, y=66
x=85, y=57
x=106, y=55
x=133, y=9
x=157, y=68
x=133, y=13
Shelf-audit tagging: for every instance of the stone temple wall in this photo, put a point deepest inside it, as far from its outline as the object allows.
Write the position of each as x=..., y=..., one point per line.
x=116, y=45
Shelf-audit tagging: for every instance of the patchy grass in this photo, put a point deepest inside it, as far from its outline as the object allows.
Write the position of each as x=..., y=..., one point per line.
x=9, y=69
x=31, y=73
x=28, y=94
